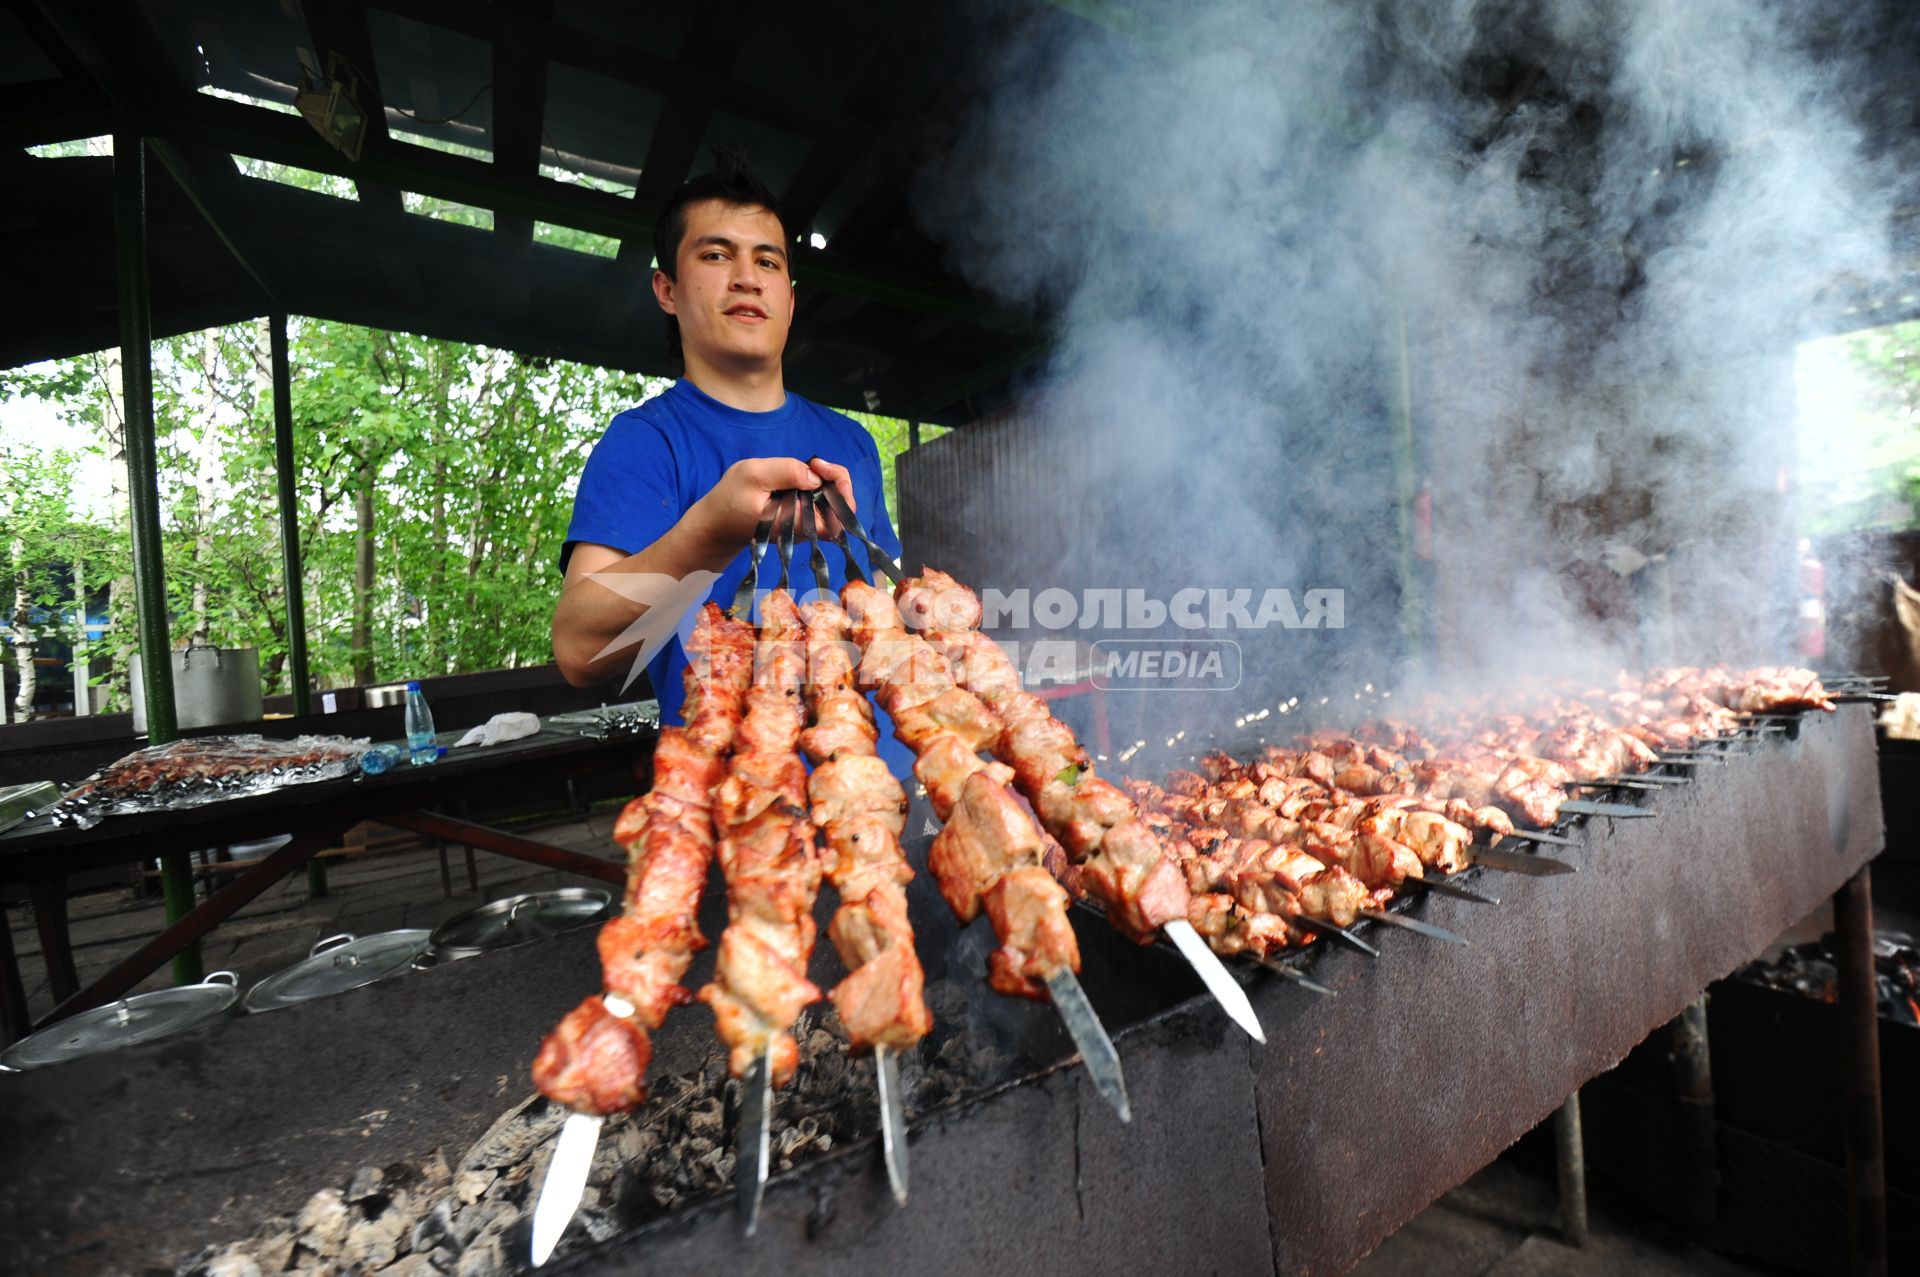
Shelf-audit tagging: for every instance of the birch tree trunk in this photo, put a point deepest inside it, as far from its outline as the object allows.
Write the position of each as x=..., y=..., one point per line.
x=206, y=479
x=21, y=634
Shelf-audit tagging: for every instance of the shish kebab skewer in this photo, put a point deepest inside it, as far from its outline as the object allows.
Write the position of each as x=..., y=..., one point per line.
x=1121, y=861
x=773, y=872
x=861, y=810
x=595, y=1061
x=988, y=855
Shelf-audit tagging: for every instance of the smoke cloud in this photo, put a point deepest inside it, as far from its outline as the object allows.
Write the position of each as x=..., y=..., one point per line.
x=1546, y=262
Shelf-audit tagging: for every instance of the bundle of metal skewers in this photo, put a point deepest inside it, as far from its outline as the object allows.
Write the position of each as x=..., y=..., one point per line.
x=733, y=784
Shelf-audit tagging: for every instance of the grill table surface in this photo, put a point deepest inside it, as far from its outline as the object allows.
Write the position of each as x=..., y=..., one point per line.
x=41, y=853
x=1298, y=1157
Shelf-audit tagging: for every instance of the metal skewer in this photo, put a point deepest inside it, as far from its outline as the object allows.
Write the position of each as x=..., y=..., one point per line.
x=1333, y=932
x=1622, y=811
x=893, y=1121
x=1541, y=835
x=1090, y=1037
x=1442, y=887
x=1611, y=782
x=1069, y=999
x=1300, y=978
x=567, y=1171
x=886, y=1066
x=1213, y=973
x=1414, y=925
x=753, y=1141
x=1521, y=862
x=851, y=522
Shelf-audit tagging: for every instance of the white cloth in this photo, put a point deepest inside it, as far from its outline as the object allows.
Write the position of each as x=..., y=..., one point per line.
x=511, y=725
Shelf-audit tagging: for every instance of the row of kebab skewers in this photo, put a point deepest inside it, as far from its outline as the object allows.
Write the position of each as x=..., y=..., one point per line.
x=1253, y=857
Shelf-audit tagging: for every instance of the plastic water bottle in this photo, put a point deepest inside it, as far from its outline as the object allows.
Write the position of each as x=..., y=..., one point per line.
x=421, y=748
x=380, y=758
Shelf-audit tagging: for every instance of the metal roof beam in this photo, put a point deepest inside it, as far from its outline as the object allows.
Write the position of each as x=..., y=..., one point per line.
x=131, y=70
x=269, y=135
x=43, y=111
x=630, y=65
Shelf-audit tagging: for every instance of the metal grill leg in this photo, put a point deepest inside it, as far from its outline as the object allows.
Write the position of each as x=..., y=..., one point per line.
x=1860, y=1078
x=1571, y=1159
x=1692, y=1063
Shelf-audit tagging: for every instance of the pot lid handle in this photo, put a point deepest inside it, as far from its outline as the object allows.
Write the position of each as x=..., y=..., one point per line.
x=320, y=946
x=227, y=978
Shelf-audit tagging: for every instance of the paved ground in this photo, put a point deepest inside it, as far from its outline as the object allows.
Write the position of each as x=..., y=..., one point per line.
x=376, y=891
x=1504, y=1222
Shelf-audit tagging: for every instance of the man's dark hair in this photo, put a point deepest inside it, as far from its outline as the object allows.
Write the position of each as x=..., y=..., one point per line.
x=730, y=181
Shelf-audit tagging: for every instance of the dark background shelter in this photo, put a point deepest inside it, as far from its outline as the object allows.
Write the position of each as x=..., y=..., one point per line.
x=833, y=104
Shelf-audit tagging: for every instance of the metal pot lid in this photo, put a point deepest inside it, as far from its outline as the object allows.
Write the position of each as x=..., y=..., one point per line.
x=144, y=1017
x=336, y=964
x=515, y=920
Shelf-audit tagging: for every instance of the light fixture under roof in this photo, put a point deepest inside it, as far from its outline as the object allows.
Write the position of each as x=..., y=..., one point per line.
x=332, y=106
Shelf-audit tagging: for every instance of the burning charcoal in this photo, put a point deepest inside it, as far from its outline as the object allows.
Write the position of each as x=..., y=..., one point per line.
x=634, y=1142
x=470, y=1223
x=706, y=1118
x=599, y=1227
x=470, y=1186
x=323, y=1222
x=220, y=1261
x=434, y=1172
x=373, y=1243
x=411, y=1266
x=365, y=1183
x=482, y=1261
x=273, y=1246
x=435, y=1227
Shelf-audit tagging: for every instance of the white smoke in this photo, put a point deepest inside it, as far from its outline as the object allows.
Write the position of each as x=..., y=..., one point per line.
x=1578, y=241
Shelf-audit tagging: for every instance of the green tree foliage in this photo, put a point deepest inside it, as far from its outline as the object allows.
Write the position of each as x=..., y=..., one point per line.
x=434, y=485
x=1860, y=437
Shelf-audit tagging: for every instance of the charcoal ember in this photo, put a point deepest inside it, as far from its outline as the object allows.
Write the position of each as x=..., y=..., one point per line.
x=415, y=1265
x=633, y=1143
x=516, y=1134
x=469, y=1224
x=366, y=1183
x=273, y=1245
x=323, y=1222
x=434, y=1172
x=471, y=1186
x=485, y=1260
x=220, y=1261
x=373, y=1243
x=434, y=1228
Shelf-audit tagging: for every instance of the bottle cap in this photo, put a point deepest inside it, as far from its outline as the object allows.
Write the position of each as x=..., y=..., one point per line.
x=413, y=685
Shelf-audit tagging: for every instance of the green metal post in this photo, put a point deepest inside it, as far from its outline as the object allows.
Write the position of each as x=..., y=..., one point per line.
x=143, y=493
x=290, y=548
x=289, y=518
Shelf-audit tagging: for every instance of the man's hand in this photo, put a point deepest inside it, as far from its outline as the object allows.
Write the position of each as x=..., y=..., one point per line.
x=724, y=519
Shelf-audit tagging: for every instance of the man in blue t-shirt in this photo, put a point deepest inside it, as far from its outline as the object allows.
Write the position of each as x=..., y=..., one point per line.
x=675, y=487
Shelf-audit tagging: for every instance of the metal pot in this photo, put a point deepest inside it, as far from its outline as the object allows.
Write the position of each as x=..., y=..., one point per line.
x=514, y=920
x=145, y=1017
x=211, y=686
x=335, y=965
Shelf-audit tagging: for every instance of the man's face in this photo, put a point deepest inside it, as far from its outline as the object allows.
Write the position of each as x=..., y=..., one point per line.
x=733, y=295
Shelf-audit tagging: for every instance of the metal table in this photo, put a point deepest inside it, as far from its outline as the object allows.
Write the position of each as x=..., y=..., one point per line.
x=41, y=854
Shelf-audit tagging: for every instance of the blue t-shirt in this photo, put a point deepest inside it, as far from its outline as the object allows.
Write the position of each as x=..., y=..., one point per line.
x=656, y=460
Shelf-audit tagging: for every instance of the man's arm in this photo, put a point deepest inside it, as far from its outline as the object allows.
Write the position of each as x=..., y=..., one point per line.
x=706, y=538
